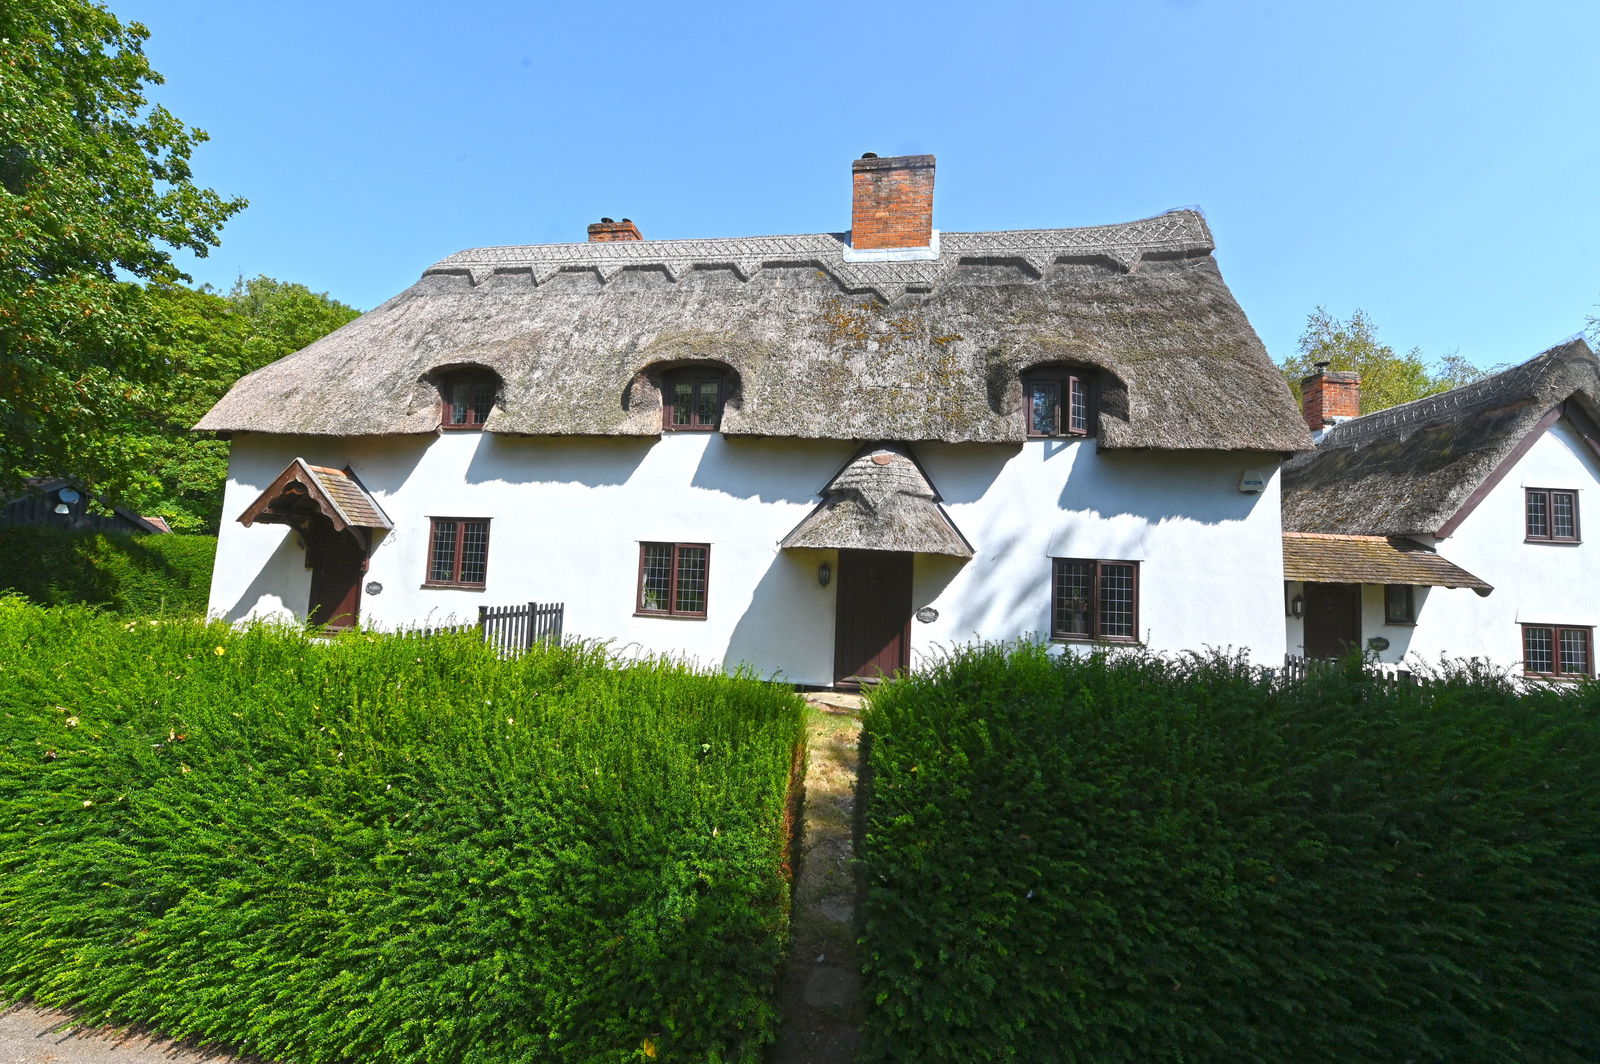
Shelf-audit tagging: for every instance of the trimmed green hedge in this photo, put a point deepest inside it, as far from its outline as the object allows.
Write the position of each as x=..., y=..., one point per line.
x=1129, y=859
x=146, y=575
x=390, y=849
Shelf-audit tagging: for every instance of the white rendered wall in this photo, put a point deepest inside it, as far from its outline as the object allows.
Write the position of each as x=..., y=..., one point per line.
x=1537, y=583
x=567, y=516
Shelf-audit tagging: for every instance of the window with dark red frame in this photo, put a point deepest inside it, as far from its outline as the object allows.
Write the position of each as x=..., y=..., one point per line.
x=1094, y=600
x=1552, y=515
x=1561, y=651
x=1058, y=402
x=466, y=398
x=458, y=552
x=692, y=401
x=673, y=579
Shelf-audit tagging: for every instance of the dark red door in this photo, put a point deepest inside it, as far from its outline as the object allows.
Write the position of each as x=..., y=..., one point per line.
x=872, y=632
x=1333, y=619
x=336, y=560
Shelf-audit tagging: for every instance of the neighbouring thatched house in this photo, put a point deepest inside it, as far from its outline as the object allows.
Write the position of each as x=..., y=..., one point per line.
x=1450, y=525
x=781, y=450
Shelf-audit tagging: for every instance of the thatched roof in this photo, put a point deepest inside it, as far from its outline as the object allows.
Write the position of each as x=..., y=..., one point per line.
x=1329, y=559
x=881, y=500
x=1411, y=469
x=820, y=347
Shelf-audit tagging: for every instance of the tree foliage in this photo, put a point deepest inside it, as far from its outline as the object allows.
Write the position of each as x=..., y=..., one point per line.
x=1388, y=378
x=96, y=192
x=212, y=340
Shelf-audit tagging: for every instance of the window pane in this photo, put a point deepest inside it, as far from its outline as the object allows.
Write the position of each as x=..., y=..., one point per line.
x=1044, y=400
x=1538, y=515
x=1071, y=598
x=474, y=551
x=1397, y=607
x=709, y=396
x=442, y=557
x=656, y=577
x=1537, y=653
x=1574, y=651
x=1078, y=408
x=691, y=580
x=1563, y=505
x=480, y=398
x=682, y=402
x=1116, y=601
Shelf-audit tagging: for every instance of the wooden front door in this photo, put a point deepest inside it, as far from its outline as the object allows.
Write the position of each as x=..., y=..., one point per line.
x=336, y=560
x=872, y=631
x=1333, y=620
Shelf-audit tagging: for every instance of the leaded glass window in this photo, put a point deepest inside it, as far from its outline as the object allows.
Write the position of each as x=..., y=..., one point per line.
x=458, y=552
x=1094, y=600
x=674, y=578
x=1551, y=650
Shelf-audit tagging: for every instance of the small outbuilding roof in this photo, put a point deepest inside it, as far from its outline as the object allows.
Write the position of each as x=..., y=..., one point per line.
x=881, y=500
x=815, y=344
x=1419, y=468
x=1327, y=559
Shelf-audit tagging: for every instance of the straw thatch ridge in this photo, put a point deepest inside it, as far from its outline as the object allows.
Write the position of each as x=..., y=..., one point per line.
x=1410, y=469
x=817, y=347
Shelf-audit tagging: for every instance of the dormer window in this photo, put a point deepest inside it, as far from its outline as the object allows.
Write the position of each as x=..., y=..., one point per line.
x=1058, y=402
x=467, y=397
x=692, y=400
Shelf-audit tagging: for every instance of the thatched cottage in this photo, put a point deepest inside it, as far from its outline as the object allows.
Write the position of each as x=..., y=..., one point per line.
x=1450, y=525
x=819, y=455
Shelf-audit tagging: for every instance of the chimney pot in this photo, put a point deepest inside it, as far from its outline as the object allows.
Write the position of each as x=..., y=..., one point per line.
x=606, y=230
x=892, y=204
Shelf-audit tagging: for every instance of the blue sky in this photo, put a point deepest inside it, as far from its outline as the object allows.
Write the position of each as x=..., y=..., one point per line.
x=1434, y=163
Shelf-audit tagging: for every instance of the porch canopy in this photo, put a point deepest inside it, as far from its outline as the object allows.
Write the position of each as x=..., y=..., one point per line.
x=1339, y=559
x=303, y=490
x=880, y=500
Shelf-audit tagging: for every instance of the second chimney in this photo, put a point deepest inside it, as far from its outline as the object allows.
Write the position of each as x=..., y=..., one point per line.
x=605, y=229
x=893, y=202
x=1328, y=397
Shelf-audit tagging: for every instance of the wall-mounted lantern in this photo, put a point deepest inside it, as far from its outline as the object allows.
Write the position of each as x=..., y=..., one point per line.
x=824, y=574
x=1297, y=606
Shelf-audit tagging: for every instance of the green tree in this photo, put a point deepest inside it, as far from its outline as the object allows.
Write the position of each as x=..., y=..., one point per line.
x=213, y=340
x=96, y=193
x=1388, y=378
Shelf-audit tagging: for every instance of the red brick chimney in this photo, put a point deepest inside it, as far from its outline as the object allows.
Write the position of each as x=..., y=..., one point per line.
x=1329, y=396
x=605, y=229
x=893, y=205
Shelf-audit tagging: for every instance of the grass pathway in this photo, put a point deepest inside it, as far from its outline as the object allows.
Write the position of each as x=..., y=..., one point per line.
x=820, y=991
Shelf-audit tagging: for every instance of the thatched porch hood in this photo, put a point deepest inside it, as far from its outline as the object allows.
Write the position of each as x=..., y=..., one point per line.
x=817, y=346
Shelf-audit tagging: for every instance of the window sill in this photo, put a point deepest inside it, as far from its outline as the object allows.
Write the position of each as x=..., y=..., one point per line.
x=1550, y=677
x=1555, y=542
x=1086, y=640
x=460, y=428
x=670, y=616
x=436, y=586
x=1399, y=624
